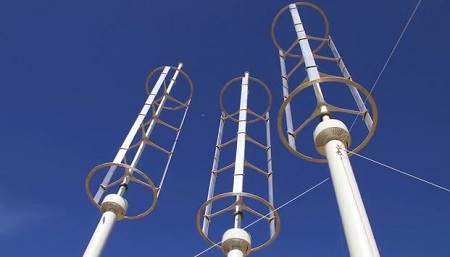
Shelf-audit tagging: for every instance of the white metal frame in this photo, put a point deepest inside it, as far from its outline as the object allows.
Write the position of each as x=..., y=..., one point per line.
x=114, y=206
x=331, y=144
x=205, y=215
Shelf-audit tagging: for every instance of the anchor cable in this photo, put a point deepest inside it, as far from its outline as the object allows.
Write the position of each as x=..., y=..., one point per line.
x=390, y=56
x=401, y=172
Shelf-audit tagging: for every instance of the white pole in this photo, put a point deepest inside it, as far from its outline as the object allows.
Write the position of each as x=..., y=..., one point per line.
x=238, y=181
x=113, y=208
x=101, y=235
x=238, y=176
x=359, y=235
x=235, y=253
x=331, y=138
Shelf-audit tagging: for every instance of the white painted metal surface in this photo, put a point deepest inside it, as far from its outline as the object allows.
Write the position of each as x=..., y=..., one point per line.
x=236, y=242
x=114, y=206
x=132, y=133
x=238, y=180
x=101, y=234
x=173, y=148
x=331, y=138
x=238, y=176
x=285, y=82
x=150, y=128
x=359, y=235
x=310, y=63
x=270, y=173
x=235, y=253
x=212, y=181
x=359, y=102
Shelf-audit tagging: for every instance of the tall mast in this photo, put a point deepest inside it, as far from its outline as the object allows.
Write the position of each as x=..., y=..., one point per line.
x=331, y=136
x=114, y=206
x=236, y=240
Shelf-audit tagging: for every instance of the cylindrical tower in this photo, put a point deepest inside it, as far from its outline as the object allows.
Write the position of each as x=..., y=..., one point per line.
x=164, y=110
x=331, y=136
x=237, y=203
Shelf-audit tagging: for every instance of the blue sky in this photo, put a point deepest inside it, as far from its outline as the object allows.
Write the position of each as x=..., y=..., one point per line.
x=72, y=79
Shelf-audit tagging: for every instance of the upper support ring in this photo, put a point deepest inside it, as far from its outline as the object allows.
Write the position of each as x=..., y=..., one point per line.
x=191, y=86
x=259, y=116
x=331, y=108
x=315, y=7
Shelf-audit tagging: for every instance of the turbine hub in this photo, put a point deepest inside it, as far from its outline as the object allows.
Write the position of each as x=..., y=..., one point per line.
x=236, y=239
x=328, y=130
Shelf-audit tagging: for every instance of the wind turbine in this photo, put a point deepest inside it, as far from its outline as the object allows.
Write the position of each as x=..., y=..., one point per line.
x=236, y=240
x=114, y=206
x=331, y=136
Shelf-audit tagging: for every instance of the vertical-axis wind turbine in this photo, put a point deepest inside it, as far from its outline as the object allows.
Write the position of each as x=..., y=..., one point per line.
x=331, y=136
x=236, y=241
x=114, y=206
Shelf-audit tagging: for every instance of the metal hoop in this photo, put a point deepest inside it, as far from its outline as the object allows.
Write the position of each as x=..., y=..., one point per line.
x=127, y=172
x=325, y=37
x=191, y=86
x=331, y=109
x=276, y=217
x=259, y=116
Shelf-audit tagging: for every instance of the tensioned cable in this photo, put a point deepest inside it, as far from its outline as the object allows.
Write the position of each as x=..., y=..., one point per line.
x=390, y=56
x=401, y=172
x=267, y=215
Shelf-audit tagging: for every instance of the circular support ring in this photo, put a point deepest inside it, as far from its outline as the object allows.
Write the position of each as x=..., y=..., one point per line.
x=191, y=86
x=331, y=109
x=276, y=217
x=128, y=172
x=325, y=20
x=259, y=116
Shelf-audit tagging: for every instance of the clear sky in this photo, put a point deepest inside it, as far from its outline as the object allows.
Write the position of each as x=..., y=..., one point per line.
x=72, y=82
